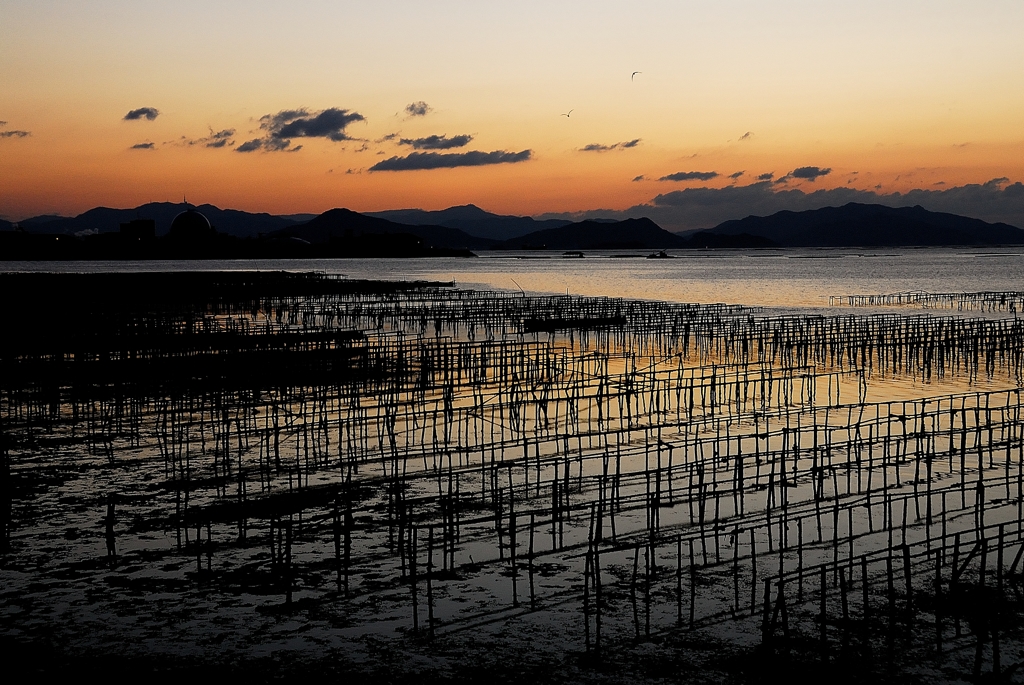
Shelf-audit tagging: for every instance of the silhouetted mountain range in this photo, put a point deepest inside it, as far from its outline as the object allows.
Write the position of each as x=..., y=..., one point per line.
x=472, y=220
x=862, y=225
x=629, y=234
x=339, y=225
x=344, y=233
x=28, y=224
x=594, y=235
x=106, y=220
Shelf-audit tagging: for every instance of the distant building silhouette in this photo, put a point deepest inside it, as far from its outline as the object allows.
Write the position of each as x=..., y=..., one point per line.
x=139, y=229
x=191, y=225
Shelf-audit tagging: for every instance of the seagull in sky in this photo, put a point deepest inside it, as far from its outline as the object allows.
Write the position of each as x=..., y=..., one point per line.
x=567, y=113
x=634, y=74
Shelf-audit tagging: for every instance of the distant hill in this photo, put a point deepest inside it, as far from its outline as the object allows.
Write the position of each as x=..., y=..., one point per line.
x=703, y=239
x=106, y=220
x=36, y=221
x=471, y=228
x=599, y=235
x=863, y=225
x=338, y=233
x=343, y=224
x=472, y=220
x=297, y=218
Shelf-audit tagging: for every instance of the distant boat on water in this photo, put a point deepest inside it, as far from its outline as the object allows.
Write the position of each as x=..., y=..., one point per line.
x=572, y=254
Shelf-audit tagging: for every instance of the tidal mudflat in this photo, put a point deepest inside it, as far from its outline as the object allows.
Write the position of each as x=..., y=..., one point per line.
x=293, y=473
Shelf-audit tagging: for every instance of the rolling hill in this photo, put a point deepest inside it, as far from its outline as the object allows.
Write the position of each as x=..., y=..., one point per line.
x=336, y=225
x=472, y=220
x=864, y=225
x=107, y=220
x=629, y=234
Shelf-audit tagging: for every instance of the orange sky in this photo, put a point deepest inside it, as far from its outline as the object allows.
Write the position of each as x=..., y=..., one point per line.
x=905, y=94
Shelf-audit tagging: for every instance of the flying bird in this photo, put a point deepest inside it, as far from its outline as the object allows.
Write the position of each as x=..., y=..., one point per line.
x=634, y=74
x=567, y=113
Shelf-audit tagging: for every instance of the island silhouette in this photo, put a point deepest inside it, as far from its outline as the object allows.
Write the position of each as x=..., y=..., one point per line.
x=177, y=231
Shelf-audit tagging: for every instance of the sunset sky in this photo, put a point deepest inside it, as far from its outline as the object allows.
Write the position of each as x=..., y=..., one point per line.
x=288, y=107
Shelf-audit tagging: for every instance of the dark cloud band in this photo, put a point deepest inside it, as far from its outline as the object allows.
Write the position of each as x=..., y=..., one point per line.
x=690, y=176
x=218, y=138
x=250, y=145
x=417, y=109
x=690, y=208
x=597, y=147
x=147, y=113
x=329, y=123
x=287, y=124
x=436, y=160
x=442, y=142
x=811, y=173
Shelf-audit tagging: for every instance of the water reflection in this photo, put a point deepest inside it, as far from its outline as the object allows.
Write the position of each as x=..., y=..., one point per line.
x=773, y=278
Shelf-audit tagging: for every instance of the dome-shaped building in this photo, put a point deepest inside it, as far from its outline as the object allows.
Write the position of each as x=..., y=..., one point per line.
x=190, y=225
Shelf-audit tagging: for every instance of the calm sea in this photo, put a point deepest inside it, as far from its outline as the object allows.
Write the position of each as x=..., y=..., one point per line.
x=793, y=278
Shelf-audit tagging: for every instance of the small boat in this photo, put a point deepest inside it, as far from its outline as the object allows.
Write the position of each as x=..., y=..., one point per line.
x=572, y=254
x=661, y=254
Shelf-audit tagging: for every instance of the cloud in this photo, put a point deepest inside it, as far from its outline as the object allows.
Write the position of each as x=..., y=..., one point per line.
x=597, y=147
x=250, y=145
x=811, y=173
x=143, y=146
x=299, y=123
x=736, y=175
x=328, y=123
x=384, y=139
x=690, y=176
x=15, y=134
x=747, y=136
x=641, y=177
x=441, y=142
x=418, y=109
x=147, y=113
x=437, y=160
x=218, y=139
x=766, y=177
x=693, y=208
x=287, y=124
